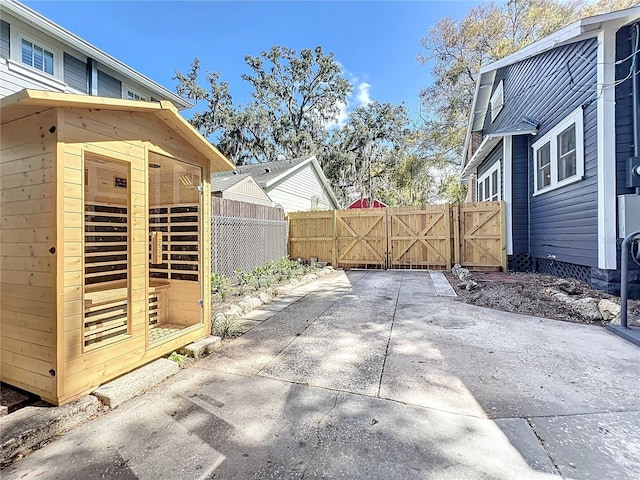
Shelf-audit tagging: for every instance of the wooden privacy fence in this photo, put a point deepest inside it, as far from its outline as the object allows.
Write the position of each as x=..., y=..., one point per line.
x=429, y=237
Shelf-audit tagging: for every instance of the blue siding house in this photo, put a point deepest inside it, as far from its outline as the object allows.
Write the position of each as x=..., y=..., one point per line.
x=553, y=131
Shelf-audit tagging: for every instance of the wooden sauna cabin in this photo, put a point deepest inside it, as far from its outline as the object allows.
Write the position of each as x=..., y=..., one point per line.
x=104, y=240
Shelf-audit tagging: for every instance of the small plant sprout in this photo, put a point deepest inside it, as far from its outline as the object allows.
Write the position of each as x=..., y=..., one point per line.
x=219, y=285
x=178, y=358
x=243, y=280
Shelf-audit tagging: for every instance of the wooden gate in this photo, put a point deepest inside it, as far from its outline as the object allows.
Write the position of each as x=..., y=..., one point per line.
x=428, y=237
x=481, y=235
x=419, y=237
x=361, y=236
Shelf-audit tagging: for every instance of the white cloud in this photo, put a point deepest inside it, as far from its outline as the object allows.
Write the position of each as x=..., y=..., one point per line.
x=363, y=93
x=341, y=118
x=359, y=97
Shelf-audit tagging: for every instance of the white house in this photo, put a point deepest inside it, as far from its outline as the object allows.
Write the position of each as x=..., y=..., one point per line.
x=240, y=187
x=37, y=54
x=296, y=185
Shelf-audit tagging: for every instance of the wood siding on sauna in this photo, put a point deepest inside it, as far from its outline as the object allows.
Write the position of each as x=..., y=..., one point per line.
x=294, y=193
x=115, y=135
x=27, y=263
x=546, y=88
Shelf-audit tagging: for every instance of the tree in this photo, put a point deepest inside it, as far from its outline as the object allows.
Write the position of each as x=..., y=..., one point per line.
x=301, y=94
x=362, y=153
x=294, y=97
x=219, y=108
x=457, y=50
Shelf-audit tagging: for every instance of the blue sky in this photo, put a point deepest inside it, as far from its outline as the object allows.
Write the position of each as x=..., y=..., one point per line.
x=376, y=42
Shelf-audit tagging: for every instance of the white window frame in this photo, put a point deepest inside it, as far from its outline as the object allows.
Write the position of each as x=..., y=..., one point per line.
x=497, y=100
x=575, y=118
x=17, y=55
x=488, y=176
x=126, y=89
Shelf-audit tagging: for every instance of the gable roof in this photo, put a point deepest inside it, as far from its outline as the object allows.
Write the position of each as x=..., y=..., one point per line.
x=30, y=102
x=221, y=182
x=579, y=30
x=268, y=174
x=54, y=30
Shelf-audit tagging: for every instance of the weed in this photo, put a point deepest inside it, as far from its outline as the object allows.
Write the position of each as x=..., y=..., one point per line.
x=225, y=328
x=243, y=280
x=178, y=358
x=219, y=285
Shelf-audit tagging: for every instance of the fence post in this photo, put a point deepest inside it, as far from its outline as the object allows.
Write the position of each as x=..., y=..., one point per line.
x=503, y=236
x=387, y=223
x=288, y=218
x=457, y=231
x=335, y=240
x=447, y=229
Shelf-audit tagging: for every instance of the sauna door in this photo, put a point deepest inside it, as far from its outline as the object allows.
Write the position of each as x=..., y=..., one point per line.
x=107, y=250
x=175, y=247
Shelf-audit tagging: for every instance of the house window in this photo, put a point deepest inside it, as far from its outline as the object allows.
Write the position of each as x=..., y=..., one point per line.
x=497, y=100
x=559, y=155
x=488, y=185
x=37, y=57
x=133, y=95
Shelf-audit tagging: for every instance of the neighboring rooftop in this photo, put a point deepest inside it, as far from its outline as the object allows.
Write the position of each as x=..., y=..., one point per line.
x=264, y=172
x=221, y=181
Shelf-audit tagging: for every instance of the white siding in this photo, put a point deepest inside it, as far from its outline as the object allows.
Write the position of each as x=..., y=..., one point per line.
x=247, y=191
x=16, y=76
x=295, y=193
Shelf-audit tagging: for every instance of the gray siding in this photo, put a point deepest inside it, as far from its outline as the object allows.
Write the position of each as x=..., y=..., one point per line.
x=546, y=87
x=75, y=73
x=520, y=193
x=5, y=39
x=108, y=86
x=624, y=108
x=490, y=161
x=562, y=222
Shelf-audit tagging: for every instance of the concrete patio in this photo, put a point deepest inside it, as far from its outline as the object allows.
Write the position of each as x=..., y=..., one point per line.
x=376, y=375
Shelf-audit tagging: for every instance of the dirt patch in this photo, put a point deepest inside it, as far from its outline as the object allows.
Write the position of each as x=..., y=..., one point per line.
x=528, y=293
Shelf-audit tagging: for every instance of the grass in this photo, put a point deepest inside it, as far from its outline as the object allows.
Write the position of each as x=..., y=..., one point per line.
x=225, y=328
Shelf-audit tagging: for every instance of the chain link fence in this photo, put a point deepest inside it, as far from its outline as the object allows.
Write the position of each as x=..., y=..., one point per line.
x=244, y=243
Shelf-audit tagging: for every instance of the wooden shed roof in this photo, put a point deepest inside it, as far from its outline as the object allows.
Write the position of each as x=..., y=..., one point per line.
x=30, y=102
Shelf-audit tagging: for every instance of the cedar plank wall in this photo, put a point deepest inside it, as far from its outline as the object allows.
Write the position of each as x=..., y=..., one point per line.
x=116, y=135
x=27, y=268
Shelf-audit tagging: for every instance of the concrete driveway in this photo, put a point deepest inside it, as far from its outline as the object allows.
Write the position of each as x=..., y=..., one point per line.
x=374, y=375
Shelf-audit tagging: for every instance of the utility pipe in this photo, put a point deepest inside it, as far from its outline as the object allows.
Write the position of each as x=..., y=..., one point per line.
x=635, y=99
x=624, y=253
x=635, y=43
